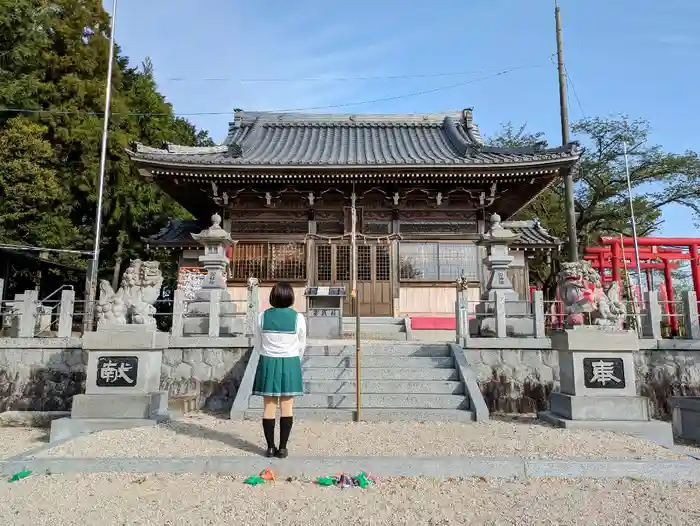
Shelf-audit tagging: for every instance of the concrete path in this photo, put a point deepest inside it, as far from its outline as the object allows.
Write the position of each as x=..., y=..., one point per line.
x=675, y=470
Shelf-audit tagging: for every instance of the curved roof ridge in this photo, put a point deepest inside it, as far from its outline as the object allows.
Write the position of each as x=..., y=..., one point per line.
x=244, y=118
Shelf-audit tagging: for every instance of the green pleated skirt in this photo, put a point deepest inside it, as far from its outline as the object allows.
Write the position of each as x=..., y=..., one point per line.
x=278, y=377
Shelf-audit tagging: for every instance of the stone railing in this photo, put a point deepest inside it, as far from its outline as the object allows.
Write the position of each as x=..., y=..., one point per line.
x=651, y=317
x=28, y=317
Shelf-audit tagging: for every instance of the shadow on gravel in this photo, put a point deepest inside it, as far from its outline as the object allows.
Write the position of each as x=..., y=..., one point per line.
x=196, y=431
x=519, y=418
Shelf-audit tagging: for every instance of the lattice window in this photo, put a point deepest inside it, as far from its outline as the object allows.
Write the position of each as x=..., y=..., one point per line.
x=383, y=264
x=269, y=261
x=364, y=263
x=438, y=261
x=324, y=268
x=342, y=263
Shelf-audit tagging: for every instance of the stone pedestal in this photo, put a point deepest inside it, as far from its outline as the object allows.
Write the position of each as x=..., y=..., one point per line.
x=122, y=388
x=598, y=386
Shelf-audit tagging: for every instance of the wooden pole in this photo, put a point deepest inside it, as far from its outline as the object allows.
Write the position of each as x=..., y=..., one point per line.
x=569, y=204
x=356, y=299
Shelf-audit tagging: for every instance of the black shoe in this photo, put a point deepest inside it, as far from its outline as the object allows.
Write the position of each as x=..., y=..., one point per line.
x=282, y=453
x=271, y=452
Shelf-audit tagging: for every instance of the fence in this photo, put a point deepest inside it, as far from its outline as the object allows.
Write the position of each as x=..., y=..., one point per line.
x=28, y=317
x=653, y=318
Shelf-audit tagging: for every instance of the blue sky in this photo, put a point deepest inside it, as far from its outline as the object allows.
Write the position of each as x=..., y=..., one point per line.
x=637, y=57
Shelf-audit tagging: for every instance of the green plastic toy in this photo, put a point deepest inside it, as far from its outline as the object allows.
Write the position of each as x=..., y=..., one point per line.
x=325, y=481
x=362, y=480
x=19, y=476
x=254, y=481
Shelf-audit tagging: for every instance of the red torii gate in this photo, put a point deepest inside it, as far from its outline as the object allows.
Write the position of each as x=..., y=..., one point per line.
x=651, y=249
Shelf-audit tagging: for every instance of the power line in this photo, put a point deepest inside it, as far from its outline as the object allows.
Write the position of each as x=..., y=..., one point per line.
x=331, y=79
x=286, y=110
x=573, y=88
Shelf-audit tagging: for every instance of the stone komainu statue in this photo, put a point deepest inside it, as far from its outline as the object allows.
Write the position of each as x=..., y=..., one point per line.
x=133, y=302
x=585, y=301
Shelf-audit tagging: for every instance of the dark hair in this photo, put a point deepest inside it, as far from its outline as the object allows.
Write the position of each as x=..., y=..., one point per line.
x=282, y=295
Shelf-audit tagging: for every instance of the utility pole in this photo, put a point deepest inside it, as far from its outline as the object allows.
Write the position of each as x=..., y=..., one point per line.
x=93, y=266
x=564, y=111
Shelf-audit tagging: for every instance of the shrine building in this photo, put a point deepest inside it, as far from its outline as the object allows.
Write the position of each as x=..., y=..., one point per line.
x=424, y=187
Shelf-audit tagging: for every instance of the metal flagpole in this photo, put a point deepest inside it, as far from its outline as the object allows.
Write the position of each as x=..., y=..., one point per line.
x=634, y=221
x=94, y=264
x=354, y=293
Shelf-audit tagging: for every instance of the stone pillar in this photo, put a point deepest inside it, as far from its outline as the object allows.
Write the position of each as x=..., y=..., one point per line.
x=690, y=315
x=598, y=386
x=538, y=313
x=253, y=306
x=215, y=241
x=513, y=318
x=178, y=313
x=462, y=311
x=65, y=314
x=651, y=325
x=27, y=309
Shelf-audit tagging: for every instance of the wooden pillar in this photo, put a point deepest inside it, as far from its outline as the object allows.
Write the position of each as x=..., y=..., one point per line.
x=395, y=271
x=311, y=260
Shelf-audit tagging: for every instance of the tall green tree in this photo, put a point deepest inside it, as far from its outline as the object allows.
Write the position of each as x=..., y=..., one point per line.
x=658, y=178
x=53, y=66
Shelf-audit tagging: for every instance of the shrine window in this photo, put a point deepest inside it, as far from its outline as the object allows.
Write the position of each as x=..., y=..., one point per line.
x=436, y=261
x=268, y=262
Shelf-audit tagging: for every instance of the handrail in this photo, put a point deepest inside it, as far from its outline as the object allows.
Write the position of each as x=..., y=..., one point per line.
x=59, y=289
x=53, y=308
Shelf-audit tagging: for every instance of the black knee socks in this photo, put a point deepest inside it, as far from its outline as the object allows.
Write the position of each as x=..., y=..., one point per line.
x=285, y=430
x=269, y=430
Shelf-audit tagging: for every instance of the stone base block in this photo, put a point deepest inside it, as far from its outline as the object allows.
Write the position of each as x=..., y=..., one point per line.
x=120, y=406
x=68, y=428
x=653, y=430
x=515, y=327
x=114, y=337
x=617, y=408
x=686, y=417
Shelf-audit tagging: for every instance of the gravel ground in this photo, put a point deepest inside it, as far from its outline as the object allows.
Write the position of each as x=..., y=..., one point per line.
x=204, y=435
x=16, y=440
x=195, y=499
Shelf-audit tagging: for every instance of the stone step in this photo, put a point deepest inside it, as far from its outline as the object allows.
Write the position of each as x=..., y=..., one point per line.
x=411, y=362
x=397, y=349
x=375, y=415
x=389, y=336
x=380, y=373
x=373, y=320
x=383, y=387
x=375, y=401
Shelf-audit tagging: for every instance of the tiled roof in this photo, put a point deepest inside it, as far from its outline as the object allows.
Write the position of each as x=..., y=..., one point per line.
x=532, y=234
x=178, y=233
x=262, y=139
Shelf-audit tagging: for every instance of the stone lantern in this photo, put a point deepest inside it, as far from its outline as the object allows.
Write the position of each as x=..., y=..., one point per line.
x=215, y=241
x=499, y=289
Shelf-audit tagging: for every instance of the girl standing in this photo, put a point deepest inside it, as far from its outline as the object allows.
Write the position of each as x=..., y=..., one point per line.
x=280, y=338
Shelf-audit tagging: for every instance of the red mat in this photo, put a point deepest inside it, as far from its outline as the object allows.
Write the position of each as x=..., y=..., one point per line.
x=433, y=323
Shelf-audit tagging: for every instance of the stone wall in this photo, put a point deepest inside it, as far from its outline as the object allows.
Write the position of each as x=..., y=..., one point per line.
x=43, y=374
x=520, y=380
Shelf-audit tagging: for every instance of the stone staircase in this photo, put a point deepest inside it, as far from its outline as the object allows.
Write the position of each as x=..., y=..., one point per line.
x=400, y=381
x=376, y=328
